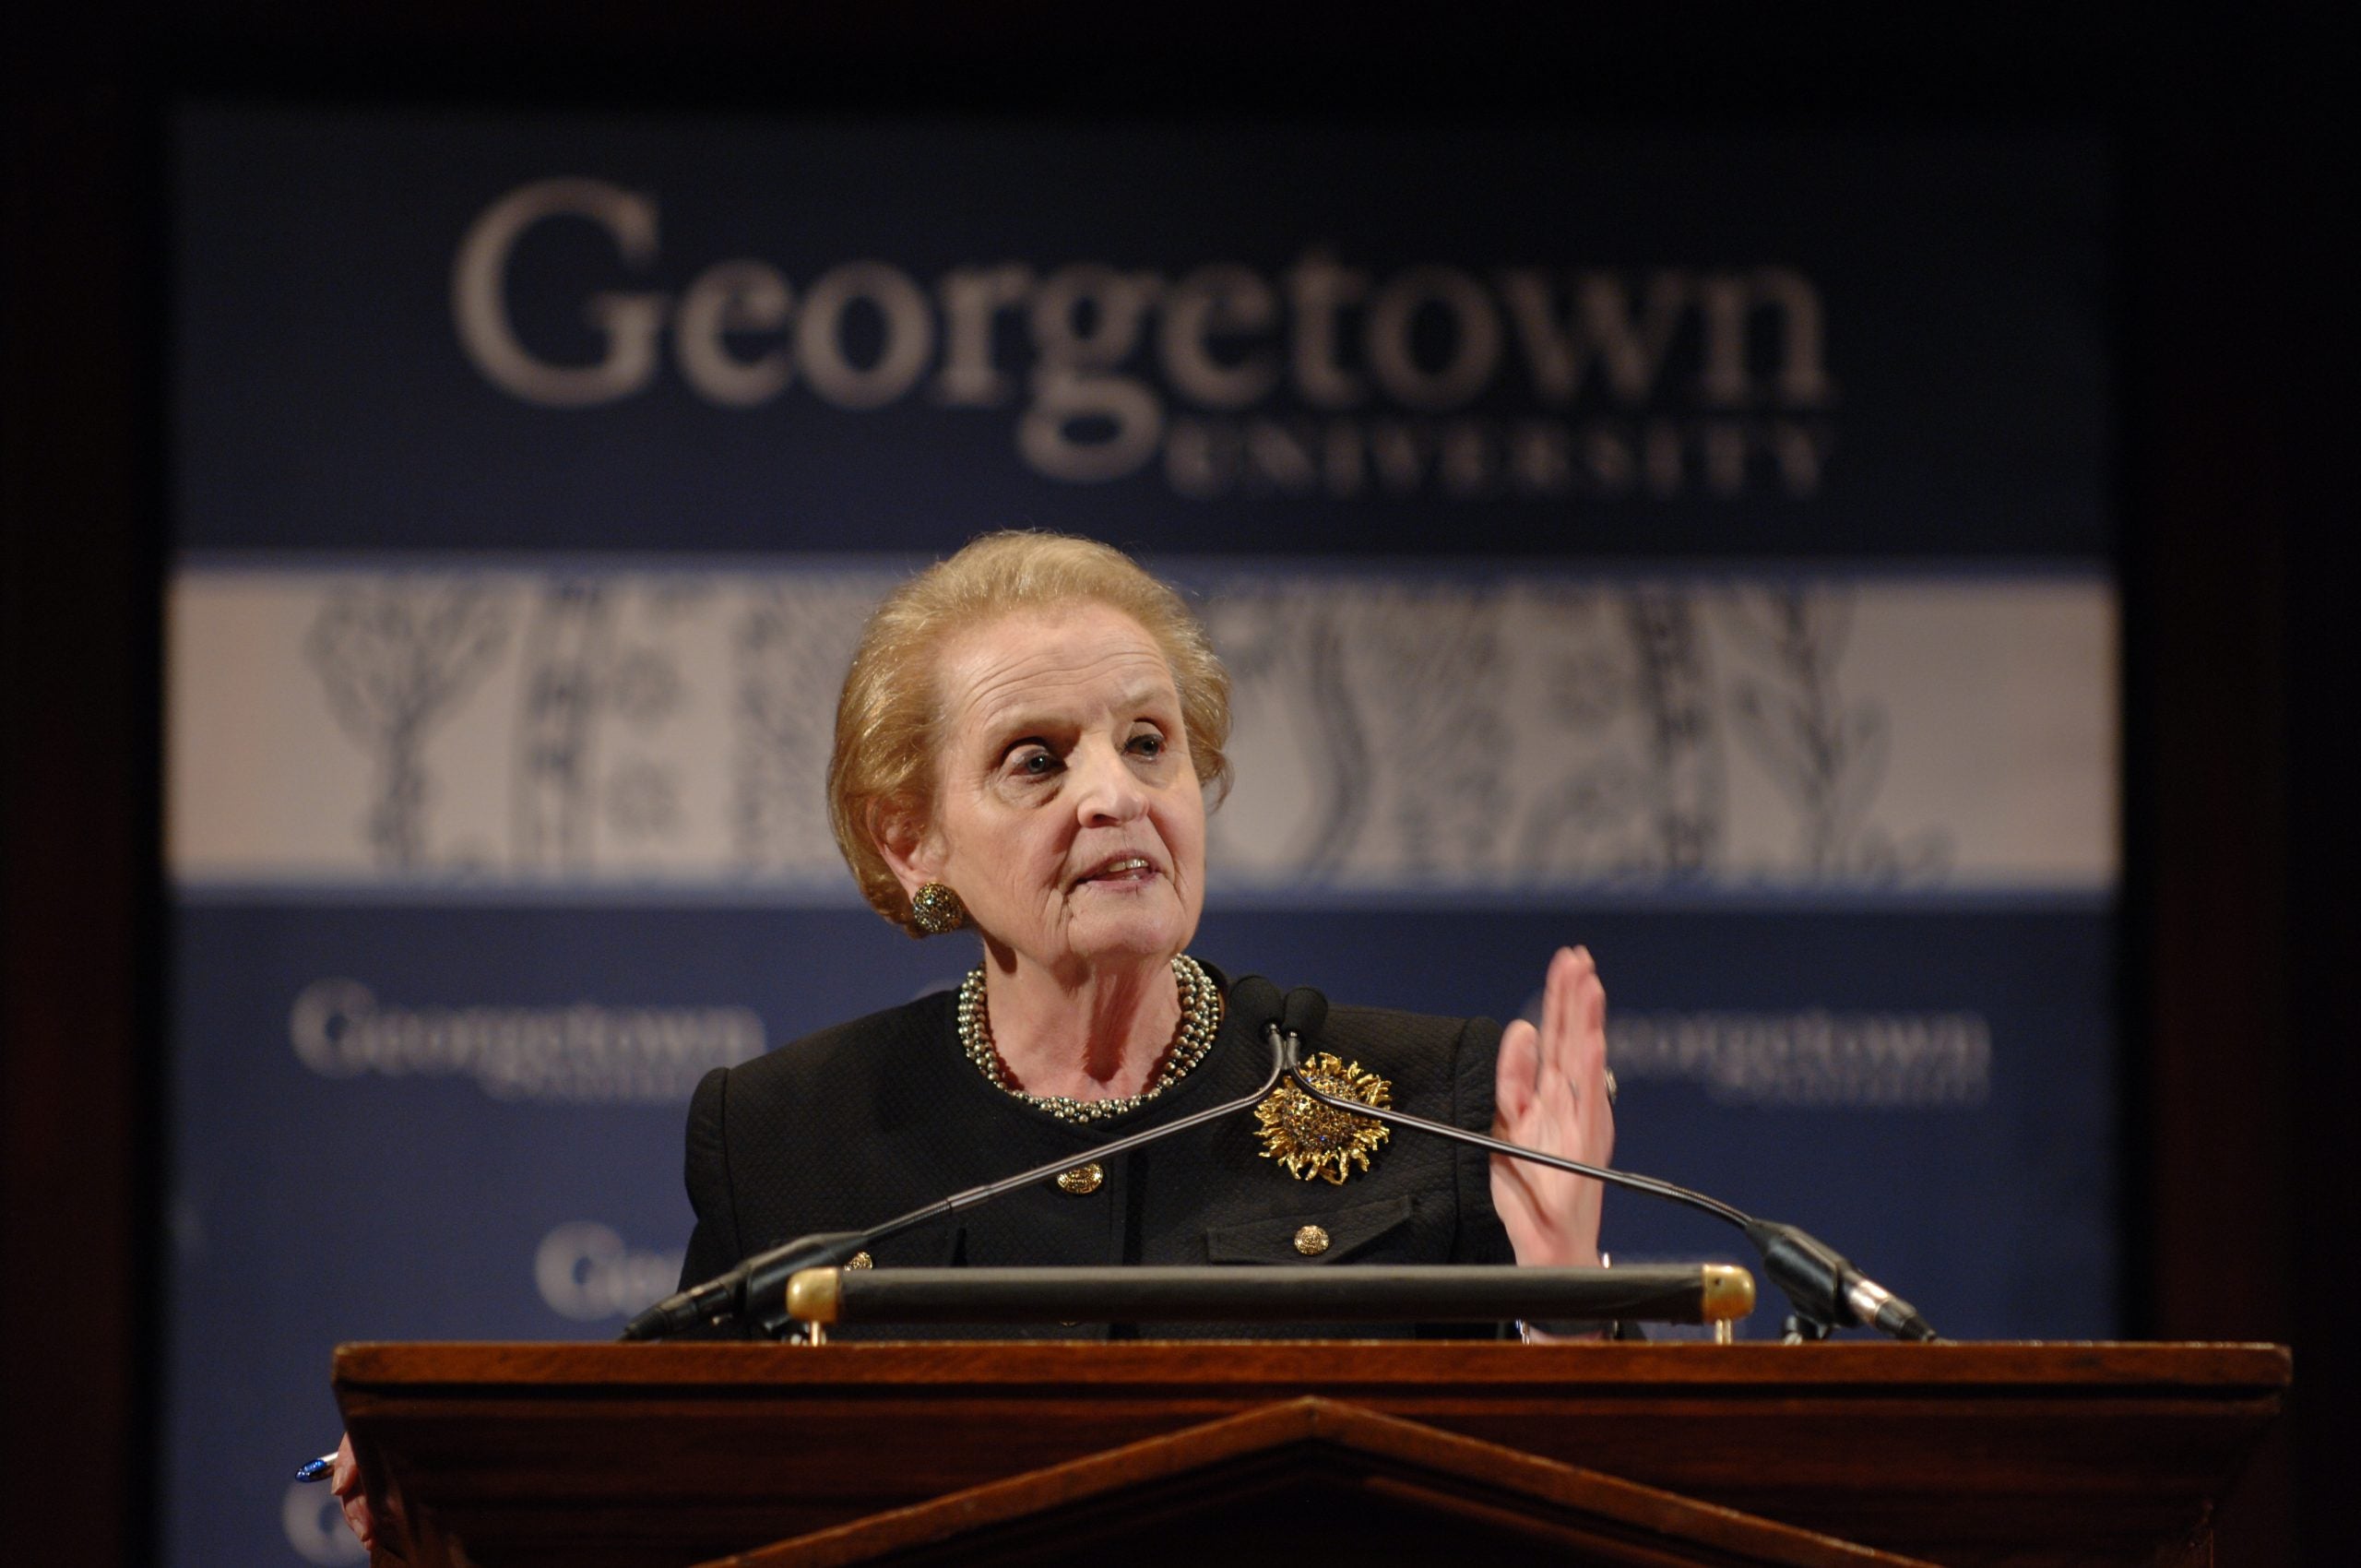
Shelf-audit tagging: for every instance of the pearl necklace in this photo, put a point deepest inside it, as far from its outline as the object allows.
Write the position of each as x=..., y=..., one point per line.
x=1201, y=1016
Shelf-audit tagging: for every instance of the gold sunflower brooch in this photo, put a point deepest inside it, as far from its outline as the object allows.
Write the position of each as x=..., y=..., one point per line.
x=1312, y=1139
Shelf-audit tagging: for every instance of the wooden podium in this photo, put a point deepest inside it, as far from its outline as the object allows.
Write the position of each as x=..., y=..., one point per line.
x=1852, y=1453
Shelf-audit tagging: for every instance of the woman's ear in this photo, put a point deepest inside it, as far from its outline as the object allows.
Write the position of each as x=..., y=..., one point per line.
x=912, y=852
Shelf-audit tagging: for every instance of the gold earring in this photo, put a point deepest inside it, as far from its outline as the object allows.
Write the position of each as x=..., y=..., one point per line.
x=935, y=908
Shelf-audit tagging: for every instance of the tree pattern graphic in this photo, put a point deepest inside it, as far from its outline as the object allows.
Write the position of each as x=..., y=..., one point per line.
x=568, y=647
x=791, y=648
x=395, y=656
x=1826, y=754
x=1512, y=733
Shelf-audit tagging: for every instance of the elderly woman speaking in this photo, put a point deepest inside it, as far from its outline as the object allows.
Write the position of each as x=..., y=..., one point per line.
x=1025, y=749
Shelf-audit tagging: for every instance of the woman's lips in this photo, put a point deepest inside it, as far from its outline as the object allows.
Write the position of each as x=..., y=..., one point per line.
x=1122, y=868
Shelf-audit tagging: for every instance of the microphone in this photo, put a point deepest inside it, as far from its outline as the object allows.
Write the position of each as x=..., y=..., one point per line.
x=1822, y=1286
x=1809, y=1272
x=755, y=1290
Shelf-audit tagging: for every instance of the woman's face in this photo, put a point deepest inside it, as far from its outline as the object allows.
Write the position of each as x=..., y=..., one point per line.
x=1067, y=813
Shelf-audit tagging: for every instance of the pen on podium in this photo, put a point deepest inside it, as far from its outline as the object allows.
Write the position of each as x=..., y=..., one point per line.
x=315, y=1470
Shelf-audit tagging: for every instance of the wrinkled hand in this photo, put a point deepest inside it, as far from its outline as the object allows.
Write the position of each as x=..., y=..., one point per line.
x=1551, y=1094
x=344, y=1479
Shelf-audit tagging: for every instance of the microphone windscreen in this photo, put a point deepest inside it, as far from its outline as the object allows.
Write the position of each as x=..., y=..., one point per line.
x=1255, y=1002
x=1306, y=1011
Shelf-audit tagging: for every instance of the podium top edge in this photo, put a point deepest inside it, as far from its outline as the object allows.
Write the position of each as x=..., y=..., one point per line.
x=2216, y=1370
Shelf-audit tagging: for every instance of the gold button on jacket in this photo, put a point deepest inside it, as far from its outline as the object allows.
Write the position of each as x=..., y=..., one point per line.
x=1311, y=1241
x=1082, y=1179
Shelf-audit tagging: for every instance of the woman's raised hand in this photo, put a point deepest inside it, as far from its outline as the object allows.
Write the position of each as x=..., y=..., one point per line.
x=1551, y=1094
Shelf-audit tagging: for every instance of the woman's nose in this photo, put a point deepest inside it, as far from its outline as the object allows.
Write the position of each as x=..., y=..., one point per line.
x=1110, y=792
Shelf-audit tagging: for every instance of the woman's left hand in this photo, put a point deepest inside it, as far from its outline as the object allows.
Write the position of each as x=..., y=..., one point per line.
x=1551, y=1094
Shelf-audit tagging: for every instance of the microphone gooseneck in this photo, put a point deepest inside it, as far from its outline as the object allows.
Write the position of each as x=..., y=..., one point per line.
x=754, y=1292
x=1823, y=1287
x=1820, y=1285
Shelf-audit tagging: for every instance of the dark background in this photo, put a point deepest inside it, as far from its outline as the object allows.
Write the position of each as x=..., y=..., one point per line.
x=2236, y=377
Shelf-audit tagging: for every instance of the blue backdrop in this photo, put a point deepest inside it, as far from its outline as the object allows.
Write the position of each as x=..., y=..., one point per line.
x=1691, y=546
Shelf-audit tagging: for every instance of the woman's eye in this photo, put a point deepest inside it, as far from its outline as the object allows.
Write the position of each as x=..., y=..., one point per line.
x=1034, y=763
x=1149, y=745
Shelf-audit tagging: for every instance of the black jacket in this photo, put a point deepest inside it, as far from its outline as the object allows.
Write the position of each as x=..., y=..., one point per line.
x=849, y=1127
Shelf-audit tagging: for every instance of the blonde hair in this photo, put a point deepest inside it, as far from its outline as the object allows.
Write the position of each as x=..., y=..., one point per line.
x=889, y=717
